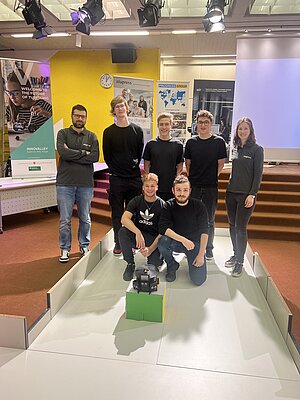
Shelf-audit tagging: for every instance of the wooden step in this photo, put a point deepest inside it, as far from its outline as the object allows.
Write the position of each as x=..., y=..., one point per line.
x=271, y=196
x=103, y=184
x=273, y=186
x=100, y=193
x=100, y=203
x=269, y=206
x=269, y=232
x=267, y=219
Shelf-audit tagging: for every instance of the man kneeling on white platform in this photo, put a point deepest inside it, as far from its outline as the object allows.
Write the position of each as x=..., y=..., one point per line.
x=184, y=224
x=140, y=226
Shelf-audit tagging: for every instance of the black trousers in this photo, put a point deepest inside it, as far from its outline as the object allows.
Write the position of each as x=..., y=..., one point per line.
x=121, y=191
x=209, y=197
x=238, y=218
x=127, y=242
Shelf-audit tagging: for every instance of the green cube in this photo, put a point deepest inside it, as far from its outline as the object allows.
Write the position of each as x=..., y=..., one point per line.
x=144, y=306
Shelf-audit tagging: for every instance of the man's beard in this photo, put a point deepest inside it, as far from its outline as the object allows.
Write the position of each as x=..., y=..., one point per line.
x=180, y=200
x=78, y=124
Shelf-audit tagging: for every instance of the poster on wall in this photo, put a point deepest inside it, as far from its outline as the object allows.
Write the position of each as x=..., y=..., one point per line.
x=216, y=97
x=28, y=117
x=139, y=95
x=172, y=97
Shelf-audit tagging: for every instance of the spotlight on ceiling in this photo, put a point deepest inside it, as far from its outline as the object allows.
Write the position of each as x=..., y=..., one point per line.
x=213, y=21
x=32, y=13
x=149, y=14
x=89, y=14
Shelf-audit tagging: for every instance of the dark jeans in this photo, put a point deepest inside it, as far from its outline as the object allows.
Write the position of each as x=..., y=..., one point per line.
x=127, y=242
x=121, y=191
x=209, y=197
x=238, y=218
x=165, y=195
x=166, y=247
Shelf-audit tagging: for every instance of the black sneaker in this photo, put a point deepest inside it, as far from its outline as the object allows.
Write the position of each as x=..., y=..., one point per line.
x=209, y=255
x=231, y=262
x=171, y=273
x=117, y=251
x=129, y=271
x=84, y=251
x=237, y=270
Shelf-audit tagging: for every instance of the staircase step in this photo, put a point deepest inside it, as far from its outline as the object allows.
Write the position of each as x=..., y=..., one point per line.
x=288, y=176
x=270, y=186
x=101, y=183
x=100, y=203
x=266, y=218
x=271, y=195
x=100, y=193
x=290, y=233
x=269, y=206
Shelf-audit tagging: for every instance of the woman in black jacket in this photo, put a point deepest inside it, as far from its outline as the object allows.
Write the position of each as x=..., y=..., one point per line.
x=244, y=182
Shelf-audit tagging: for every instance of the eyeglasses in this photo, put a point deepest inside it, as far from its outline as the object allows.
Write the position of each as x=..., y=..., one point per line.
x=205, y=123
x=12, y=93
x=79, y=116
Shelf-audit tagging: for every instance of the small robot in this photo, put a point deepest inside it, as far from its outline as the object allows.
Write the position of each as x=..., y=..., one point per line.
x=146, y=279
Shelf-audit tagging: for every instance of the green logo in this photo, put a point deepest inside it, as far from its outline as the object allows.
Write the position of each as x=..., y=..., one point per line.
x=35, y=168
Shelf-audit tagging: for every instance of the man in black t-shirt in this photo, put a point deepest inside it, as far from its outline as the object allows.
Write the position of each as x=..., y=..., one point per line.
x=122, y=149
x=204, y=158
x=140, y=226
x=164, y=156
x=184, y=224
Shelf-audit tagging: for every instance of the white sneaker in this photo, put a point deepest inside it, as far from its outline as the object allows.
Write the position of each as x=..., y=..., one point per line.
x=64, y=257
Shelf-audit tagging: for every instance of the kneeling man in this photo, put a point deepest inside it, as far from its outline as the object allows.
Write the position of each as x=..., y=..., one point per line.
x=184, y=224
x=140, y=226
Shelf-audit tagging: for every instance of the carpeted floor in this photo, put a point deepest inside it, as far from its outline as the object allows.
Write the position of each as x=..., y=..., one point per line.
x=29, y=264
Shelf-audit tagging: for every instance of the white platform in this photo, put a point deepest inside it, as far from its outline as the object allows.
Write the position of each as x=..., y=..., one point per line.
x=218, y=341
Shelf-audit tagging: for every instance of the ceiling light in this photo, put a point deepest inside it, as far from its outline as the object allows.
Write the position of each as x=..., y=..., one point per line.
x=184, y=32
x=149, y=14
x=89, y=14
x=32, y=13
x=213, y=21
x=114, y=33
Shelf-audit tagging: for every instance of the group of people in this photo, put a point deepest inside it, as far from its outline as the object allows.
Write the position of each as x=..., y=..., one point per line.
x=165, y=211
x=137, y=108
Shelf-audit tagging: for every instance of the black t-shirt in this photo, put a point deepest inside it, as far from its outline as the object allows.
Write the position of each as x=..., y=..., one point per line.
x=189, y=221
x=204, y=155
x=146, y=215
x=122, y=150
x=164, y=156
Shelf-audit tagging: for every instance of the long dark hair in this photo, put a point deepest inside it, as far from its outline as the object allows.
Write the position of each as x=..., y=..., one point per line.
x=251, y=139
x=12, y=77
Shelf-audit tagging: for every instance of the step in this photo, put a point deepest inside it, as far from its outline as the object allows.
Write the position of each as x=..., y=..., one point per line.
x=269, y=206
x=269, y=232
x=271, y=196
x=268, y=176
x=101, y=183
x=273, y=186
x=100, y=193
x=100, y=203
x=267, y=219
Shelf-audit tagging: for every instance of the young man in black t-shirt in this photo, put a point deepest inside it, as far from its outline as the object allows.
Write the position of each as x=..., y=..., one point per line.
x=184, y=224
x=204, y=158
x=164, y=156
x=123, y=144
x=140, y=226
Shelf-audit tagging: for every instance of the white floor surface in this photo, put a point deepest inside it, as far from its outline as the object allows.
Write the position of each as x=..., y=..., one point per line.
x=218, y=341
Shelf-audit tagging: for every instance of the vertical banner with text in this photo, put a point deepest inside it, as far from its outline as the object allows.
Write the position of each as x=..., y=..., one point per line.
x=28, y=116
x=139, y=95
x=172, y=97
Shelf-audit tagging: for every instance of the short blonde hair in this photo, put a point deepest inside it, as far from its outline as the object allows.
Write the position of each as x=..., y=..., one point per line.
x=117, y=100
x=204, y=113
x=165, y=115
x=149, y=177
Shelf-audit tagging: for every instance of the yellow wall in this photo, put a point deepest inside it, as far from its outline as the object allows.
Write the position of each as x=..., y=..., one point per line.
x=75, y=77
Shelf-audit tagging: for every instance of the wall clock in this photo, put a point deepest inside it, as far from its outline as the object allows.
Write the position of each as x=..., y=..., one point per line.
x=106, y=81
